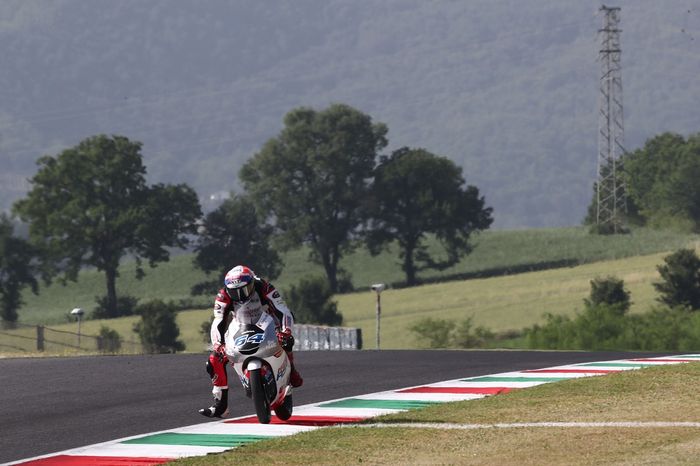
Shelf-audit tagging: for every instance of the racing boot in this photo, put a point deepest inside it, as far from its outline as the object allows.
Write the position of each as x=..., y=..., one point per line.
x=220, y=406
x=295, y=378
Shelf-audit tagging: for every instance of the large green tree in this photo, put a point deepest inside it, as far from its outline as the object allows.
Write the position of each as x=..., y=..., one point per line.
x=234, y=233
x=662, y=179
x=312, y=178
x=90, y=206
x=415, y=194
x=16, y=271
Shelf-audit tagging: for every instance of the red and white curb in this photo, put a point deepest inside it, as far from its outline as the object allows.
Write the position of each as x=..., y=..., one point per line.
x=215, y=437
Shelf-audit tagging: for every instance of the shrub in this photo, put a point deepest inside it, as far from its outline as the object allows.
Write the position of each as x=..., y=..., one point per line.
x=433, y=332
x=126, y=306
x=442, y=333
x=664, y=329
x=609, y=290
x=158, y=329
x=680, y=285
x=205, y=330
x=109, y=340
x=556, y=333
x=310, y=301
x=464, y=335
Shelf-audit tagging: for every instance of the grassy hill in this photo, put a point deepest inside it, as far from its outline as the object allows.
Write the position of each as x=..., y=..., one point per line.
x=554, y=269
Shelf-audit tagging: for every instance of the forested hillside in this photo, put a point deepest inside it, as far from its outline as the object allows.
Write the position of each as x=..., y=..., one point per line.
x=507, y=89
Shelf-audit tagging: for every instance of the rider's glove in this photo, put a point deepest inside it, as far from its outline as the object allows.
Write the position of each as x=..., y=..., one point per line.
x=220, y=351
x=285, y=339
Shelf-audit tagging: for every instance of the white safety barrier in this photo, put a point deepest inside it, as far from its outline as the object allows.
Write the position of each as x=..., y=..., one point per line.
x=320, y=338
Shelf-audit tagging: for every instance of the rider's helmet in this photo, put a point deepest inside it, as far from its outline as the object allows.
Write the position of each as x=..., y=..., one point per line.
x=239, y=283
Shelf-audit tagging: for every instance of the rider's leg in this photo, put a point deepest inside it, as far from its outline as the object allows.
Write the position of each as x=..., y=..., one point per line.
x=294, y=378
x=216, y=368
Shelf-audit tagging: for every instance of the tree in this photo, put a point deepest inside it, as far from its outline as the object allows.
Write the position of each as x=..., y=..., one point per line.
x=416, y=193
x=626, y=216
x=313, y=177
x=680, y=285
x=662, y=179
x=90, y=205
x=233, y=234
x=17, y=271
x=158, y=329
x=311, y=303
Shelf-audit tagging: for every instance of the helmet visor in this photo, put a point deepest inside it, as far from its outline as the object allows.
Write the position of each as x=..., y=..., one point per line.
x=241, y=294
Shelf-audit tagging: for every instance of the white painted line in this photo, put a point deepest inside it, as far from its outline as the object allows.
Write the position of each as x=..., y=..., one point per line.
x=272, y=430
x=146, y=450
x=439, y=397
x=435, y=425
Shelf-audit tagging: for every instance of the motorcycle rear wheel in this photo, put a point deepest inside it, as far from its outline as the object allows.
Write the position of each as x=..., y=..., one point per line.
x=284, y=411
x=262, y=405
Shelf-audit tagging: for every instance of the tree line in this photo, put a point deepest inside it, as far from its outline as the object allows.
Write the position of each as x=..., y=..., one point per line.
x=321, y=182
x=660, y=183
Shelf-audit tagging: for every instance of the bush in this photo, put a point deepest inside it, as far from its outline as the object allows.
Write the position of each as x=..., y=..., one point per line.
x=126, y=306
x=434, y=332
x=680, y=285
x=442, y=333
x=556, y=333
x=609, y=290
x=158, y=329
x=310, y=301
x=664, y=329
x=604, y=327
x=205, y=330
x=109, y=340
x=600, y=327
x=464, y=335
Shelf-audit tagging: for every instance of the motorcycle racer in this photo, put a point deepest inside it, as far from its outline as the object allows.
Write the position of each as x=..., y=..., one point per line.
x=243, y=299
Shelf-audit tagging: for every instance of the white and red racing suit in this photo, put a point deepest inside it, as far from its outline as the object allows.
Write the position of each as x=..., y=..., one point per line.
x=265, y=298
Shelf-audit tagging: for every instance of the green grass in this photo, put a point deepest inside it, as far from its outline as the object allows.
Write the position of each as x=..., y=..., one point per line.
x=655, y=394
x=501, y=302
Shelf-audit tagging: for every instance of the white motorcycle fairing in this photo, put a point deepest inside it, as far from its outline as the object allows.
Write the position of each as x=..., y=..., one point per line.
x=262, y=366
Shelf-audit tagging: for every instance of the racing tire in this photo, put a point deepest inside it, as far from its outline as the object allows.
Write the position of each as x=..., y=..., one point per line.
x=257, y=389
x=284, y=411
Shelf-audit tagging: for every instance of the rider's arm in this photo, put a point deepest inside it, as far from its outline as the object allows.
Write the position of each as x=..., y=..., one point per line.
x=279, y=307
x=218, y=326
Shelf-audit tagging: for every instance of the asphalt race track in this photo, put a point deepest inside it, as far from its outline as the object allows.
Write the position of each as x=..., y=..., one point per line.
x=53, y=404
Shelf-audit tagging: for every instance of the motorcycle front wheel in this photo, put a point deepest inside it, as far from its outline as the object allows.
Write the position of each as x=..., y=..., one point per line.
x=257, y=389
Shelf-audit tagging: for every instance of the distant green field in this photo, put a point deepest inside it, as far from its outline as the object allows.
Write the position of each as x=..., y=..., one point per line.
x=509, y=302
x=503, y=301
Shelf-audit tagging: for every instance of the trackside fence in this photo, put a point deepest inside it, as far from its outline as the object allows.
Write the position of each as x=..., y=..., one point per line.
x=33, y=338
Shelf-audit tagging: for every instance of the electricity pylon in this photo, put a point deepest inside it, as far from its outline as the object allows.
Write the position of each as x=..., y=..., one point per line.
x=610, y=195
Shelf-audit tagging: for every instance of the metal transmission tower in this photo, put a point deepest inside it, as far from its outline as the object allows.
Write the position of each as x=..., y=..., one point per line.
x=610, y=194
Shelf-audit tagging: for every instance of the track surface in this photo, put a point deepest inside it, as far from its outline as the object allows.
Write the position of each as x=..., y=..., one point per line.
x=53, y=404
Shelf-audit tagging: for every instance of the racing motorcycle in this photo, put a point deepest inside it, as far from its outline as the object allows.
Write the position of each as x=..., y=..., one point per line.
x=262, y=366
